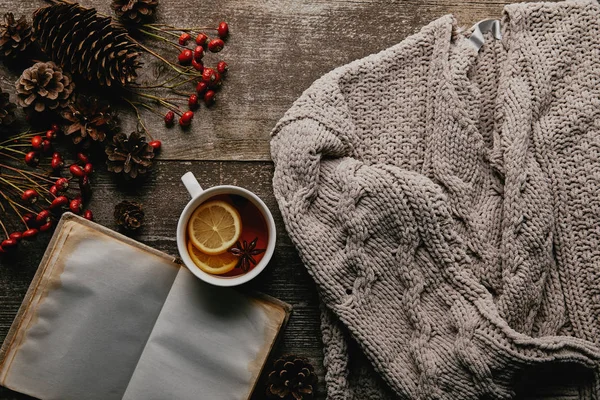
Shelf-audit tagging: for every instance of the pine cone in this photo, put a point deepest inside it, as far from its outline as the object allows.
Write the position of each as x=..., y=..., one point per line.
x=43, y=86
x=129, y=215
x=15, y=36
x=131, y=155
x=134, y=11
x=7, y=109
x=292, y=378
x=88, y=118
x=86, y=45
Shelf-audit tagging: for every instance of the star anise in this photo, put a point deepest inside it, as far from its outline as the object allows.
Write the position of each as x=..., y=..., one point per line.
x=245, y=252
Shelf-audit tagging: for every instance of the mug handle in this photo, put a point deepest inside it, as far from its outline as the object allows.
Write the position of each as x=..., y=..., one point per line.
x=191, y=184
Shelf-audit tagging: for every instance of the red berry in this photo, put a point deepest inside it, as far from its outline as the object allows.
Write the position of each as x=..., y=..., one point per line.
x=83, y=158
x=55, y=128
x=185, y=57
x=88, y=215
x=209, y=97
x=46, y=227
x=201, y=39
x=216, y=45
x=56, y=155
x=75, y=206
x=216, y=82
x=16, y=236
x=30, y=233
x=198, y=66
x=46, y=146
x=208, y=75
x=32, y=159
x=184, y=38
x=53, y=190
x=36, y=142
x=201, y=88
x=9, y=244
x=57, y=163
x=88, y=169
x=169, y=118
x=223, y=30
x=62, y=184
x=42, y=217
x=222, y=67
x=198, y=53
x=59, y=202
x=29, y=219
x=84, y=186
x=51, y=134
x=30, y=196
x=155, y=144
x=186, y=118
x=76, y=171
x=193, y=102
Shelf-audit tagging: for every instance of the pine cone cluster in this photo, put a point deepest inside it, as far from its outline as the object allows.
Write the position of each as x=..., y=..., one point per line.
x=88, y=118
x=86, y=45
x=7, y=109
x=134, y=11
x=15, y=36
x=292, y=378
x=44, y=86
x=132, y=156
x=129, y=215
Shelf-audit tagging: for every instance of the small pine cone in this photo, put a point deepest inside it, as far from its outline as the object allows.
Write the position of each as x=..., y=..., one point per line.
x=44, y=86
x=134, y=11
x=88, y=118
x=129, y=215
x=86, y=44
x=131, y=155
x=292, y=378
x=7, y=109
x=15, y=36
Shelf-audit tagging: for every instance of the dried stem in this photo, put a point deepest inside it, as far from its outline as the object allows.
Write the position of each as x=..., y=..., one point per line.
x=4, y=229
x=139, y=118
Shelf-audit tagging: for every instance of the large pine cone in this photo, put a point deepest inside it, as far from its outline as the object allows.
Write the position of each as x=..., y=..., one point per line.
x=89, y=118
x=134, y=11
x=292, y=378
x=129, y=215
x=86, y=45
x=44, y=86
x=131, y=155
x=7, y=109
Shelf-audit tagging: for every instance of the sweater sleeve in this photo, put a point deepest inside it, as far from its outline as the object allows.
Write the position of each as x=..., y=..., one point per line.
x=379, y=242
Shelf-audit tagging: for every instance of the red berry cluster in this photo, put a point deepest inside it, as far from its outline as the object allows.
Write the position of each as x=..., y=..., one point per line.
x=59, y=197
x=211, y=77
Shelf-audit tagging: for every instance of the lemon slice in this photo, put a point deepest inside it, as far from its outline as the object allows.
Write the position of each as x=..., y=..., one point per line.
x=216, y=265
x=214, y=227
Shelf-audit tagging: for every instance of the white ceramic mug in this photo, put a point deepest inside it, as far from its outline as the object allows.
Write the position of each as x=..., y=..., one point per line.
x=199, y=196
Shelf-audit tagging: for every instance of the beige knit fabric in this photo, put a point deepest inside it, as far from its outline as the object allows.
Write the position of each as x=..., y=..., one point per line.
x=447, y=204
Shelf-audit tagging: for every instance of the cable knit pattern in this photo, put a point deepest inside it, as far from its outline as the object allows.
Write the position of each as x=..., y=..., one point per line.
x=447, y=204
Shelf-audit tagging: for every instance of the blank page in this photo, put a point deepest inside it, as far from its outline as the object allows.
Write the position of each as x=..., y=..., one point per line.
x=208, y=343
x=89, y=319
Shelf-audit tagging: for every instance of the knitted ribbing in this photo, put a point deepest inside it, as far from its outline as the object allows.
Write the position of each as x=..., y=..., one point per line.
x=447, y=204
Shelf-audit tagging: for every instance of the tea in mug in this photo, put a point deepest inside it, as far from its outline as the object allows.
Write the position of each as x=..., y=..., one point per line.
x=227, y=235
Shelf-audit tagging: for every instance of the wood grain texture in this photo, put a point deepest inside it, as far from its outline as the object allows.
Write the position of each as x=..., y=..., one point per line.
x=276, y=50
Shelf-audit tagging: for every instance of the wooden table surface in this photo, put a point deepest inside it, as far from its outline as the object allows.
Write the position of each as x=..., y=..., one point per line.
x=276, y=49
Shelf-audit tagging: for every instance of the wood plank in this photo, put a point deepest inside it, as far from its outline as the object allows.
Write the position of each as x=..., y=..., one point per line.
x=164, y=197
x=276, y=50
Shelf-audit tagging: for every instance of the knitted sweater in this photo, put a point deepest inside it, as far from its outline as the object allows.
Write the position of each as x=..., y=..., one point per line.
x=446, y=202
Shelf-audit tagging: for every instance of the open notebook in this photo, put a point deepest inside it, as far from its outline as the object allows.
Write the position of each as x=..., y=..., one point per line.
x=109, y=318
